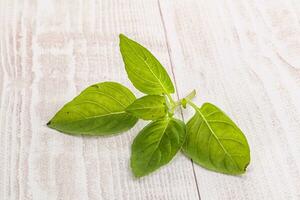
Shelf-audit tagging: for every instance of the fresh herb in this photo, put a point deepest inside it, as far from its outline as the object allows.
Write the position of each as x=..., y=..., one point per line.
x=148, y=107
x=156, y=145
x=143, y=69
x=210, y=138
x=215, y=142
x=97, y=110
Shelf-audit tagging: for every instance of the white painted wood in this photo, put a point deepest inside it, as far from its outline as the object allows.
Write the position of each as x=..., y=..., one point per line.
x=241, y=55
x=50, y=51
x=244, y=56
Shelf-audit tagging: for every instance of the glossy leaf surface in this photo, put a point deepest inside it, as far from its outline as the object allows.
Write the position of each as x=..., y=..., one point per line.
x=149, y=107
x=156, y=145
x=98, y=110
x=143, y=69
x=215, y=142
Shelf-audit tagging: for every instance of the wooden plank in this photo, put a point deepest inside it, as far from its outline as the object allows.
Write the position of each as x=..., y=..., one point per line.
x=50, y=51
x=244, y=57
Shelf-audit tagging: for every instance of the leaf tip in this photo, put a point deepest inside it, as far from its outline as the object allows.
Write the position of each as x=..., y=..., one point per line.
x=137, y=176
x=48, y=123
x=245, y=168
x=122, y=36
x=135, y=172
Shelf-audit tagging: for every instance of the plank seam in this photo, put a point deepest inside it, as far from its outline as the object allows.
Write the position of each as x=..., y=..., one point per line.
x=173, y=75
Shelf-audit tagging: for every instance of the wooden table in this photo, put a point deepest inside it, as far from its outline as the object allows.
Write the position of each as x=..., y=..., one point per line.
x=242, y=55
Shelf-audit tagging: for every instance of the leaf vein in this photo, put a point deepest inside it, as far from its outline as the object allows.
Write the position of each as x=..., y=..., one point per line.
x=145, y=61
x=215, y=136
x=116, y=100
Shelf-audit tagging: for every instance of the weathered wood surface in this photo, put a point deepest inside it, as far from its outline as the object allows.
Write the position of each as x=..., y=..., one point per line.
x=241, y=55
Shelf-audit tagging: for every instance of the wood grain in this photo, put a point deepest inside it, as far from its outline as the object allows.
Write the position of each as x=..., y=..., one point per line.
x=50, y=51
x=244, y=57
x=241, y=55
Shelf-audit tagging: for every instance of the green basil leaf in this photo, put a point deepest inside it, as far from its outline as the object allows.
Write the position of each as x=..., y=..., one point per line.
x=98, y=110
x=215, y=142
x=149, y=107
x=143, y=69
x=156, y=145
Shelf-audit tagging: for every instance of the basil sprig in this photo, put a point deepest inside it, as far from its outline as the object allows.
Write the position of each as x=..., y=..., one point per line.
x=210, y=138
